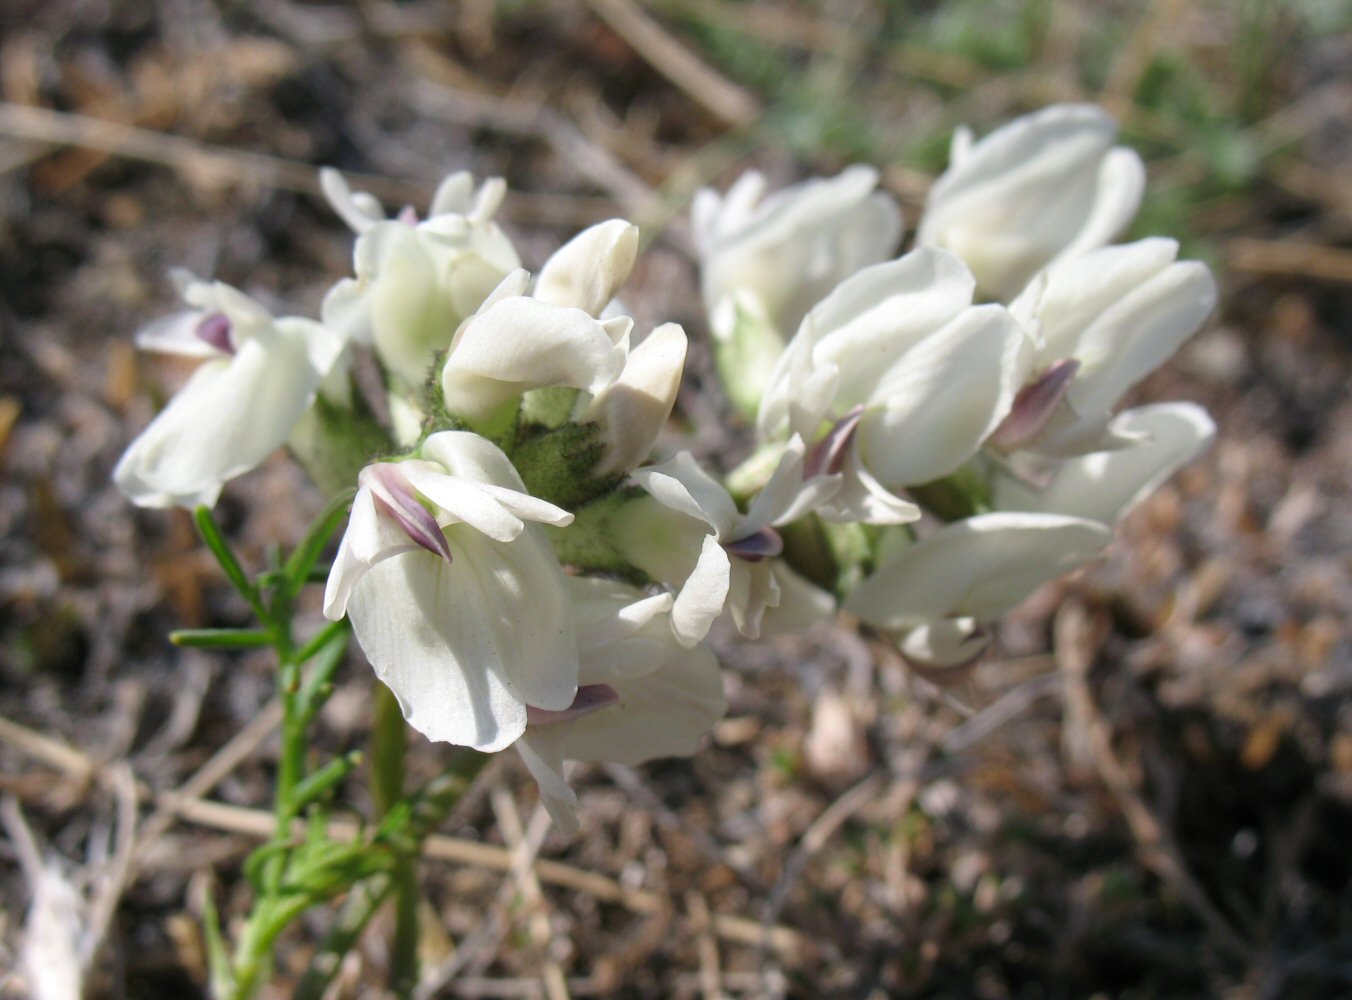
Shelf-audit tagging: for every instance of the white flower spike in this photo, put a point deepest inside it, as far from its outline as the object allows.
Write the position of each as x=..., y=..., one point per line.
x=908, y=377
x=785, y=251
x=766, y=260
x=1042, y=188
x=1102, y=322
x=550, y=334
x=259, y=377
x=416, y=281
x=458, y=603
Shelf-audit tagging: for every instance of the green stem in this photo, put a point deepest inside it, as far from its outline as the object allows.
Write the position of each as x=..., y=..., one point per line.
x=362, y=904
x=429, y=806
x=225, y=557
x=253, y=956
x=389, y=749
x=273, y=911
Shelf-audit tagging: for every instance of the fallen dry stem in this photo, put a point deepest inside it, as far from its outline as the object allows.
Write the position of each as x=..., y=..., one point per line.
x=788, y=944
x=525, y=847
x=1290, y=259
x=1155, y=844
x=725, y=99
x=214, y=165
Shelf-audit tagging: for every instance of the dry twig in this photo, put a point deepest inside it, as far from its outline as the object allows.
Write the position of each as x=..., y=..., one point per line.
x=789, y=944
x=717, y=93
x=525, y=846
x=1290, y=259
x=1158, y=850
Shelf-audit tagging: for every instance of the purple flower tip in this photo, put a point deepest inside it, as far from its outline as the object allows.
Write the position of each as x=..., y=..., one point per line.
x=399, y=501
x=827, y=456
x=214, y=328
x=589, y=698
x=1034, y=406
x=759, y=545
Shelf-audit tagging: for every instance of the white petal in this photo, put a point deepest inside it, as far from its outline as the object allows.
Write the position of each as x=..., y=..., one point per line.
x=660, y=714
x=873, y=318
x=470, y=456
x=1021, y=196
x=798, y=392
x=1121, y=185
x=608, y=614
x=467, y=456
x=409, y=315
x=247, y=316
x=416, y=618
x=465, y=502
x=682, y=485
x=547, y=769
x=466, y=645
x=359, y=210
x=752, y=590
x=944, y=644
x=177, y=334
x=621, y=632
x=960, y=145
x=787, y=496
x=454, y=195
x=862, y=498
x=801, y=603
x=930, y=413
x=323, y=347
x=586, y=271
x=226, y=419
x=787, y=251
x=1105, y=485
x=702, y=595
x=525, y=601
x=1138, y=334
x=488, y=199
x=1075, y=292
x=663, y=543
x=369, y=539
x=519, y=344
x=979, y=567
x=527, y=507
x=633, y=411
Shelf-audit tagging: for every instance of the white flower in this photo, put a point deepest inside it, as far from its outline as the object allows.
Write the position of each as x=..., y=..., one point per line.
x=642, y=695
x=525, y=338
x=516, y=343
x=416, y=281
x=938, y=592
x=632, y=410
x=910, y=376
x=766, y=260
x=785, y=251
x=457, y=602
x=1042, y=188
x=1105, y=485
x=259, y=377
x=586, y=271
x=690, y=534
x=1103, y=321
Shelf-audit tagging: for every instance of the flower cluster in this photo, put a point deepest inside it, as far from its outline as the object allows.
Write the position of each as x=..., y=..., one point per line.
x=937, y=432
x=975, y=378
